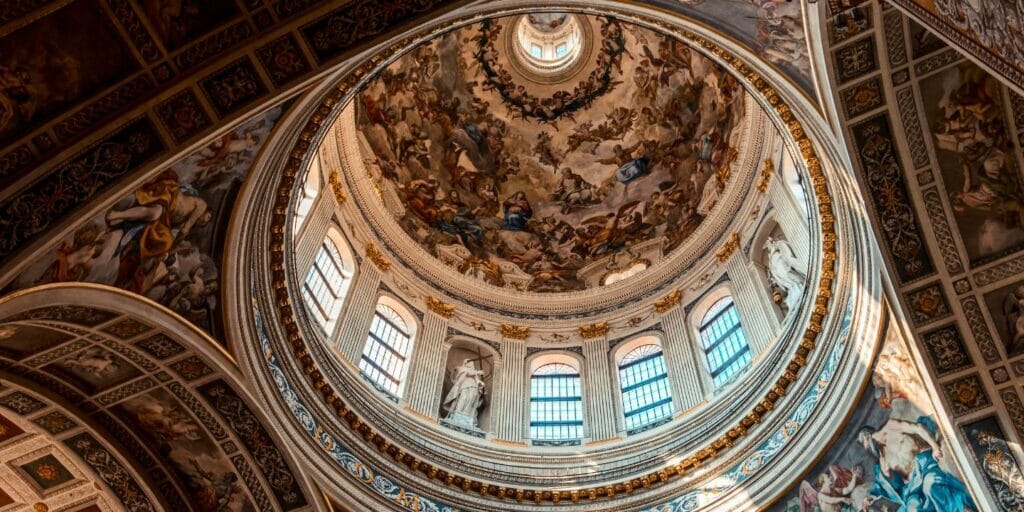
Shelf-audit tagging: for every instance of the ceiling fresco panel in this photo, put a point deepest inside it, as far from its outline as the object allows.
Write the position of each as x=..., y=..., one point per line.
x=967, y=117
x=893, y=410
x=774, y=29
x=533, y=191
x=162, y=240
x=179, y=22
x=51, y=64
x=991, y=31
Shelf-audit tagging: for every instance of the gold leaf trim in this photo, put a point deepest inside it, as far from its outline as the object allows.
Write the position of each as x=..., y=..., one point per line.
x=593, y=330
x=441, y=308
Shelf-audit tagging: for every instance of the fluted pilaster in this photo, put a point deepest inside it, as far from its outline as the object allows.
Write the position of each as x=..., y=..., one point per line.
x=759, y=322
x=510, y=392
x=312, y=233
x=601, y=421
x=358, y=315
x=681, y=359
x=427, y=367
x=791, y=219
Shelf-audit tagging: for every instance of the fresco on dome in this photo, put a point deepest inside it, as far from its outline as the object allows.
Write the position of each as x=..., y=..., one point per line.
x=170, y=430
x=163, y=240
x=967, y=119
x=547, y=189
x=890, y=455
x=772, y=29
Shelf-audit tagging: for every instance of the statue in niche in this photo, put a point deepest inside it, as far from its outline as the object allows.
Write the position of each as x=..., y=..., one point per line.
x=783, y=272
x=466, y=395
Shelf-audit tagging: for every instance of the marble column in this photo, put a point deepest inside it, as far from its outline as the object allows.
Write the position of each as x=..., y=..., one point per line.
x=358, y=313
x=427, y=366
x=511, y=392
x=601, y=417
x=759, y=322
x=681, y=359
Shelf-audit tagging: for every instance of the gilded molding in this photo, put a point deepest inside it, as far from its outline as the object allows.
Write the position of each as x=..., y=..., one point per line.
x=515, y=332
x=766, y=175
x=713, y=449
x=593, y=330
x=377, y=257
x=730, y=247
x=441, y=308
x=336, y=186
x=668, y=302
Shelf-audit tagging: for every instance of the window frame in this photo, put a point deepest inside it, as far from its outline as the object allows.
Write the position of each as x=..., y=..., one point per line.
x=334, y=249
x=659, y=386
x=576, y=403
x=380, y=355
x=707, y=320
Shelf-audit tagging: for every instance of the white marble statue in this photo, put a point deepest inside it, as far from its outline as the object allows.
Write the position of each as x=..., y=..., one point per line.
x=466, y=395
x=783, y=271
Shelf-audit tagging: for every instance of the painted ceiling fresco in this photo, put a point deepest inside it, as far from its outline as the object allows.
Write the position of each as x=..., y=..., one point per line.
x=888, y=449
x=167, y=405
x=501, y=180
x=773, y=29
x=991, y=30
x=164, y=239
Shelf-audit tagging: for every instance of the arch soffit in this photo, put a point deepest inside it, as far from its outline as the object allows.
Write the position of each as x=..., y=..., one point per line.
x=129, y=322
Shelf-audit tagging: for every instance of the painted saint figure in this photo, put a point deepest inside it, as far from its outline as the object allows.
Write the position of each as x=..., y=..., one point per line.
x=517, y=212
x=908, y=473
x=782, y=270
x=466, y=395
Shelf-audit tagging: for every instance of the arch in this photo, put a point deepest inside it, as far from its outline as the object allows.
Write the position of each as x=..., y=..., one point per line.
x=154, y=382
x=556, y=398
x=385, y=358
x=643, y=383
x=326, y=283
x=309, y=192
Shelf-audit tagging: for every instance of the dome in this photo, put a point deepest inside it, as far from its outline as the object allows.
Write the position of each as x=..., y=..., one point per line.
x=558, y=187
x=538, y=281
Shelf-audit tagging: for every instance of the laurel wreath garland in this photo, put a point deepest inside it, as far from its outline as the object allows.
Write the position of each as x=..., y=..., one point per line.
x=562, y=103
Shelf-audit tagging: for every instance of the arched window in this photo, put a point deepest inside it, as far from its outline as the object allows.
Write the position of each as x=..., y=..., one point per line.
x=386, y=353
x=724, y=342
x=310, y=190
x=556, y=403
x=326, y=283
x=643, y=380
